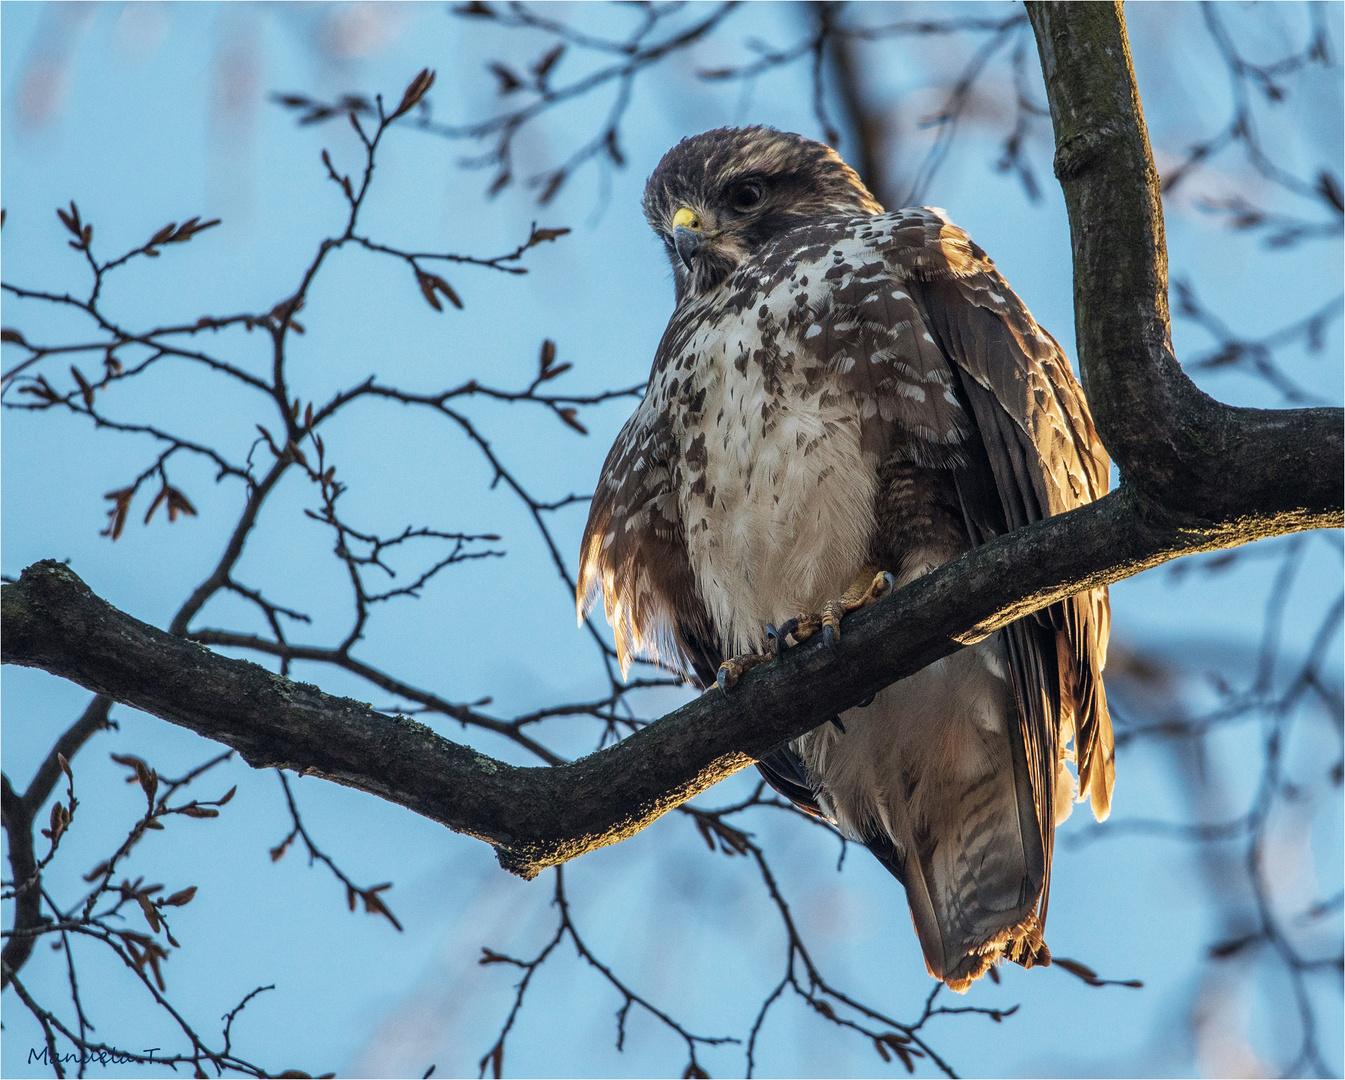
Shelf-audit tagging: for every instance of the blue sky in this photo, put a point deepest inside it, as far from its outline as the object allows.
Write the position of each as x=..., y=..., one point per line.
x=163, y=116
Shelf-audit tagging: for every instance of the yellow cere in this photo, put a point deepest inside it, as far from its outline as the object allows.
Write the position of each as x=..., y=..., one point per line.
x=686, y=217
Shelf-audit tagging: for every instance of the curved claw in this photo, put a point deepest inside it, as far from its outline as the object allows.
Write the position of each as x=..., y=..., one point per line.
x=722, y=679
x=785, y=629
x=774, y=639
x=839, y=726
x=891, y=582
x=829, y=637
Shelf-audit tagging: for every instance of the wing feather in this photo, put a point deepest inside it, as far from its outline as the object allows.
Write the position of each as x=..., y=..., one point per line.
x=1045, y=457
x=634, y=551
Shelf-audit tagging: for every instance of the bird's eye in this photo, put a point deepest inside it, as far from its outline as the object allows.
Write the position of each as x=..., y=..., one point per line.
x=745, y=196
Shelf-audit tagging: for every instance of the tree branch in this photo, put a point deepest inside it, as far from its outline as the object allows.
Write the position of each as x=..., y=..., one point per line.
x=1179, y=445
x=27, y=892
x=538, y=817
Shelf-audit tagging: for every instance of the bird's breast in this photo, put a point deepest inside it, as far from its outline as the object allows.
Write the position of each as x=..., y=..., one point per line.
x=775, y=495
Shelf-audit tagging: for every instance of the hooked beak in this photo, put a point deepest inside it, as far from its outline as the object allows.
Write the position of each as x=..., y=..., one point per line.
x=687, y=242
x=687, y=235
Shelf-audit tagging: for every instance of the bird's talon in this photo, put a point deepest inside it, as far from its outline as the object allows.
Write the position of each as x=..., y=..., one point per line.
x=774, y=640
x=839, y=726
x=829, y=637
x=722, y=678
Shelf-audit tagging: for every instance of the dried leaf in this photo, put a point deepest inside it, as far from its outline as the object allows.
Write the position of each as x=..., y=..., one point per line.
x=149, y=779
x=97, y=872
x=541, y=235
x=179, y=504
x=190, y=228
x=71, y=220
x=509, y=82
x=197, y=811
x=117, y=516
x=552, y=186
x=39, y=387
x=1226, y=949
x=543, y=67
x=85, y=390
x=151, y=915
x=414, y=92
x=65, y=766
x=13, y=337
x=228, y=795
x=178, y=899
x=163, y=494
x=568, y=415
x=1083, y=971
x=447, y=289
x=373, y=905
x=154, y=954
x=705, y=832
x=427, y=290
x=548, y=353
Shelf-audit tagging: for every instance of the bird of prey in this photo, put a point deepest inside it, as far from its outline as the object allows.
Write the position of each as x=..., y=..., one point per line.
x=843, y=400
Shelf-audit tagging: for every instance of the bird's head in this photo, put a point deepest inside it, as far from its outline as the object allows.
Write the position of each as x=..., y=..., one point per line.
x=718, y=197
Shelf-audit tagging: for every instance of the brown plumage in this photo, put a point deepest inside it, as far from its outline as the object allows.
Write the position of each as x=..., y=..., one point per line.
x=840, y=388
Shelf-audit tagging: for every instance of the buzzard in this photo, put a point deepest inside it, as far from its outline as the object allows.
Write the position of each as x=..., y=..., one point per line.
x=843, y=400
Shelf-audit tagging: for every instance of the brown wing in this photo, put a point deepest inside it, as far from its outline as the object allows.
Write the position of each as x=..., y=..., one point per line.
x=634, y=552
x=1043, y=457
x=952, y=372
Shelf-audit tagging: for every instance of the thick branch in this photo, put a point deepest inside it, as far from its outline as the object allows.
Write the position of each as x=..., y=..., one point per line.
x=28, y=896
x=537, y=817
x=1183, y=448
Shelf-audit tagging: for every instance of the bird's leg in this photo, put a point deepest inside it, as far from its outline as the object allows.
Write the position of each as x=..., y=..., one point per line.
x=869, y=585
x=731, y=670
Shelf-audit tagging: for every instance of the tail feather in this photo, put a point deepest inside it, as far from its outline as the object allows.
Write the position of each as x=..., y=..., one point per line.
x=933, y=777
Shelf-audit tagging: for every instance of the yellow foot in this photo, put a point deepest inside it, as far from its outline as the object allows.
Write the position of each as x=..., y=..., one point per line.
x=869, y=586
